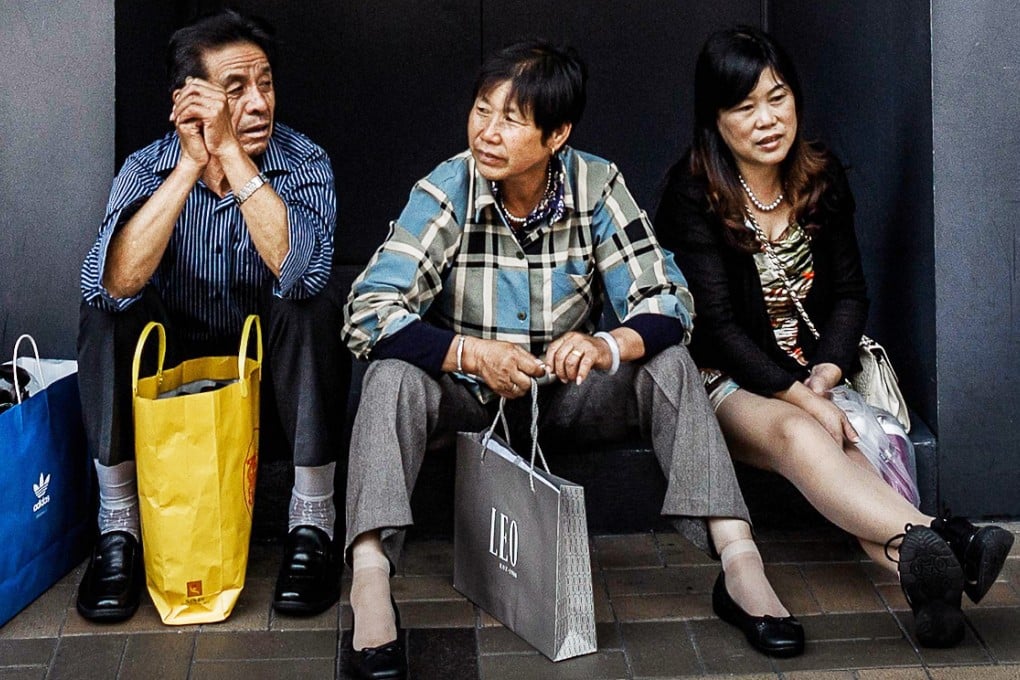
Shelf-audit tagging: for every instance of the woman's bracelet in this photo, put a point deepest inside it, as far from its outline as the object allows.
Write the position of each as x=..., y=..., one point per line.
x=460, y=353
x=614, y=349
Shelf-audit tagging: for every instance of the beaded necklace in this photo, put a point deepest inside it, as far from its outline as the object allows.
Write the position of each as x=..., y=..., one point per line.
x=756, y=201
x=549, y=207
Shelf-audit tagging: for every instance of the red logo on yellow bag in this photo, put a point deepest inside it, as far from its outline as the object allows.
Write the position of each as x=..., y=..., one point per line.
x=251, y=467
x=194, y=588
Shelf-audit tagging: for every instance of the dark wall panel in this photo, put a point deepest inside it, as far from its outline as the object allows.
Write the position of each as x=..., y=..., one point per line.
x=865, y=69
x=977, y=135
x=640, y=58
x=399, y=97
x=143, y=98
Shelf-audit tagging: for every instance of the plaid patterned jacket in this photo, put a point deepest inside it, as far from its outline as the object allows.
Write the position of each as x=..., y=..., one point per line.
x=451, y=260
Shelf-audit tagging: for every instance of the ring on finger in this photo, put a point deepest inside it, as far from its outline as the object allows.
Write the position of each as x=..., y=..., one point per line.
x=577, y=352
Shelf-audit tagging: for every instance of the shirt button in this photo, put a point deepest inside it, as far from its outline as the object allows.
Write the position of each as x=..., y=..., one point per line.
x=520, y=255
x=522, y=316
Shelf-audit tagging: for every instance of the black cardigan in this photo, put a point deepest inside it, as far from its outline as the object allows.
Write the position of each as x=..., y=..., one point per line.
x=732, y=331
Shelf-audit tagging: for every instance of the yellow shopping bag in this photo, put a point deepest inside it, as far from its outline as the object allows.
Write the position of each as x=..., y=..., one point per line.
x=196, y=450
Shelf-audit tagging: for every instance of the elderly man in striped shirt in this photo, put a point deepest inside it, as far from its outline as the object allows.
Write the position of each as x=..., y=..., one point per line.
x=227, y=215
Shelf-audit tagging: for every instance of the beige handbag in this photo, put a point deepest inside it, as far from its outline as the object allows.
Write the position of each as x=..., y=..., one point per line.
x=876, y=381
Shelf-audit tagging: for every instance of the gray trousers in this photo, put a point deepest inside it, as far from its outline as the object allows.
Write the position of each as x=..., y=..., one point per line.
x=403, y=409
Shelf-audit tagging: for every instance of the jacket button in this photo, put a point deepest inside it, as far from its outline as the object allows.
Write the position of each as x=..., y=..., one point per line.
x=522, y=316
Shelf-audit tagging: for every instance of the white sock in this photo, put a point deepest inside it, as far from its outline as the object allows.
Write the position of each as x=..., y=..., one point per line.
x=746, y=581
x=374, y=622
x=311, y=500
x=118, y=498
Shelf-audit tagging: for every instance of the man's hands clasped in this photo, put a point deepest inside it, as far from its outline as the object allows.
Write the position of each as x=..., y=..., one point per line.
x=202, y=116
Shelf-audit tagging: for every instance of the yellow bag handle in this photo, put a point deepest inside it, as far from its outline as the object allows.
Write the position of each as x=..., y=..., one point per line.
x=138, y=354
x=242, y=353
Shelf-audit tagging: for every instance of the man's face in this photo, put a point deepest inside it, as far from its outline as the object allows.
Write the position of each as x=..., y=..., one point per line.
x=242, y=69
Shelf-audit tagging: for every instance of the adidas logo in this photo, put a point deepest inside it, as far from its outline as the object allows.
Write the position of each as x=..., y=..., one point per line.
x=42, y=486
x=40, y=490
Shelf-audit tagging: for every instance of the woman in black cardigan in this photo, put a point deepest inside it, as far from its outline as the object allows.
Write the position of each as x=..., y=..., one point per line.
x=749, y=176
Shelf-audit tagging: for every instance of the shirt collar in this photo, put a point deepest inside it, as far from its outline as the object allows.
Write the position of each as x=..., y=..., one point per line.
x=273, y=162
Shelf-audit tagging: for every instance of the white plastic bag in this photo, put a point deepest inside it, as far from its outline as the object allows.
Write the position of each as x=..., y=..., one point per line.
x=883, y=441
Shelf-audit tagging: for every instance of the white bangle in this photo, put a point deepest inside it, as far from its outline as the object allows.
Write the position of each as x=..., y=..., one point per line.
x=460, y=353
x=614, y=349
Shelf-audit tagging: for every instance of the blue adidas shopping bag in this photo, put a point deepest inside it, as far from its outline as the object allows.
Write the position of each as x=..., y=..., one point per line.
x=46, y=490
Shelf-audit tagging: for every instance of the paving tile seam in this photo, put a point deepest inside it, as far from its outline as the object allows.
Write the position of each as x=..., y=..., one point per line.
x=267, y=659
x=698, y=656
x=627, y=661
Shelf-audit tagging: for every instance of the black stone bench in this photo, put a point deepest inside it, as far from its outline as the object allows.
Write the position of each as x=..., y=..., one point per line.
x=624, y=486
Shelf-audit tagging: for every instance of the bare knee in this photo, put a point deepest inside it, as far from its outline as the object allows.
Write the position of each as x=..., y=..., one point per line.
x=798, y=442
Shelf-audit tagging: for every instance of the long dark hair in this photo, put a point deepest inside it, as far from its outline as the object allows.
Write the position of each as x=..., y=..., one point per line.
x=727, y=70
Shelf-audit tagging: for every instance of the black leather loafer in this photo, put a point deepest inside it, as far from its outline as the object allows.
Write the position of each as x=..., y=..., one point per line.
x=981, y=552
x=385, y=662
x=781, y=637
x=932, y=581
x=308, y=582
x=112, y=585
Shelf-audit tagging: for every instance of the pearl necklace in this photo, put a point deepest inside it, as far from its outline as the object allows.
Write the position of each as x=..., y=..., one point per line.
x=754, y=199
x=521, y=221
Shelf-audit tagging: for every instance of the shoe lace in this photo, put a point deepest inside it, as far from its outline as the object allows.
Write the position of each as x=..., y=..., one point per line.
x=898, y=537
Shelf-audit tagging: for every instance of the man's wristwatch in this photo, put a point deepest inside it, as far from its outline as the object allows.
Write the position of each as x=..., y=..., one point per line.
x=252, y=185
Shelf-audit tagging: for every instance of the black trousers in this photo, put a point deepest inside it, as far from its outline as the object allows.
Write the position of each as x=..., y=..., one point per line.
x=306, y=367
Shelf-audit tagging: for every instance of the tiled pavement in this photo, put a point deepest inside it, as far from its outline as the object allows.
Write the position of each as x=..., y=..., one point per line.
x=652, y=594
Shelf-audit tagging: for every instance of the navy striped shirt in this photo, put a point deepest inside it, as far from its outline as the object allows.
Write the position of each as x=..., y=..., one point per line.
x=211, y=275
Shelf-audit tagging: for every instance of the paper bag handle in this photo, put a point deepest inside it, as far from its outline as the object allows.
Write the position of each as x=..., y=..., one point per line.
x=38, y=363
x=138, y=354
x=242, y=353
x=536, y=450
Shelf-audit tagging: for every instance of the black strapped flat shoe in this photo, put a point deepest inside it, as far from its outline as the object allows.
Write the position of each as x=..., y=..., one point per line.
x=780, y=637
x=980, y=551
x=385, y=662
x=932, y=581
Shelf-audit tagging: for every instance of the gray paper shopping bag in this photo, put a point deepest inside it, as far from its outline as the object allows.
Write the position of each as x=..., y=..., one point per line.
x=520, y=545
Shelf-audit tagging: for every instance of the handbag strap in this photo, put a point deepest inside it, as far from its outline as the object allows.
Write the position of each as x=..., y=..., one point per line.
x=242, y=353
x=38, y=363
x=780, y=270
x=135, y=365
x=777, y=264
x=536, y=450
